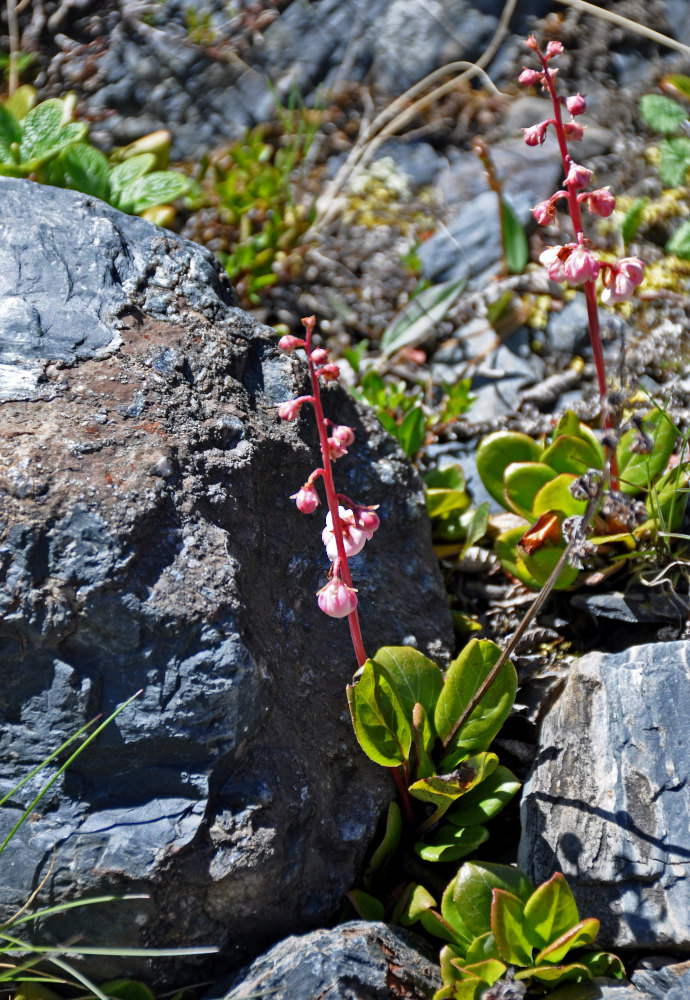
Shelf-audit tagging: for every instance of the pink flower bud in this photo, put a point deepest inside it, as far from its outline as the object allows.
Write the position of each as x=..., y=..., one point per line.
x=578, y=177
x=290, y=409
x=554, y=49
x=329, y=372
x=319, y=356
x=289, y=343
x=576, y=104
x=600, y=202
x=344, y=435
x=621, y=280
x=367, y=520
x=582, y=265
x=335, y=450
x=535, y=134
x=573, y=130
x=336, y=599
x=529, y=77
x=545, y=211
x=553, y=259
x=307, y=499
x=531, y=43
x=354, y=537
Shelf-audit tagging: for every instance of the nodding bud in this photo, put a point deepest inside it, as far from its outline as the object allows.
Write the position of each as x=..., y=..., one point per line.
x=336, y=599
x=289, y=343
x=307, y=499
x=600, y=202
x=578, y=177
x=335, y=450
x=545, y=211
x=308, y=322
x=290, y=409
x=329, y=372
x=581, y=266
x=343, y=435
x=576, y=104
x=531, y=43
x=573, y=130
x=367, y=520
x=529, y=77
x=554, y=49
x=319, y=356
x=535, y=134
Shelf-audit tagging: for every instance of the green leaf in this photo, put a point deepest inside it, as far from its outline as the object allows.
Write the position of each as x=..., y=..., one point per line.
x=10, y=132
x=465, y=676
x=411, y=431
x=482, y=947
x=450, y=972
x=554, y=975
x=541, y=563
x=489, y=970
x=506, y=549
x=523, y=480
x=418, y=320
x=445, y=490
x=581, y=934
x=84, y=168
x=603, y=963
x=674, y=161
x=419, y=905
x=466, y=903
x=679, y=81
x=22, y=101
x=467, y=989
x=550, y=911
x=661, y=113
x=451, y=843
x=635, y=470
x=159, y=188
x=556, y=495
x=127, y=989
x=44, y=134
x=486, y=800
x=667, y=500
x=124, y=174
x=506, y=927
x=516, y=248
x=572, y=454
x=367, y=907
x=443, y=789
x=388, y=845
x=379, y=720
x=414, y=677
x=496, y=452
x=632, y=219
x=679, y=244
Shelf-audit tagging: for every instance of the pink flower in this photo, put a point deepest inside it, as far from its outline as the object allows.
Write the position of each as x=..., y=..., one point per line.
x=582, y=265
x=344, y=435
x=622, y=279
x=576, y=105
x=600, y=202
x=290, y=409
x=553, y=259
x=289, y=343
x=329, y=372
x=335, y=450
x=578, y=177
x=319, y=356
x=367, y=520
x=336, y=599
x=545, y=211
x=573, y=130
x=531, y=43
x=529, y=77
x=535, y=134
x=554, y=49
x=354, y=537
x=307, y=499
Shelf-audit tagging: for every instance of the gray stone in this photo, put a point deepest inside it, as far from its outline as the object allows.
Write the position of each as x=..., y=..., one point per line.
x=666, y=982
x=148, y=541
x=608, y=800
x=355, y=961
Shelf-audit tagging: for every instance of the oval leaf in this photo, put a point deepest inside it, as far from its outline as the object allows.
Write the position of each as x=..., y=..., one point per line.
x=367, y=907
x=451, y=843
x=378, y=718
x=583, y=933
x=466, y=903
x=515, y=240
x=158, y=188
x=495, y=454
x=522, y=481
x=636, y=470
x=415, y=678
x=486, y=800
x=571, y=454
x=556, y=495
x=550, y=911
x=506, y=927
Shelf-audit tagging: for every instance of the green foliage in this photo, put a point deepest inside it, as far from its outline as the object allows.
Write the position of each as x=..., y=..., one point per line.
x=29, y=143
x=492, y=917
x=23, y=61
x=514, y=240
x=405, y=714
x=417, y=321
x=535, y=480
x=669, y=117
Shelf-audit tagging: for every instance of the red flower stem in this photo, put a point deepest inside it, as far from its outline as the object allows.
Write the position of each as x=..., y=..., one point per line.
x=404, y=797
x=576, y=216
x=331, y=496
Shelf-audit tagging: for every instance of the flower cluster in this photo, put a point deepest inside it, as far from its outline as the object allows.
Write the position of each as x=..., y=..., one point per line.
x=575, y=262
x=349, y=525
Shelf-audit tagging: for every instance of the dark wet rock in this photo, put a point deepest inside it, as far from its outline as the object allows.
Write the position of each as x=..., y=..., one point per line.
x=608, y=800
x=355, y=961
x=148, y=540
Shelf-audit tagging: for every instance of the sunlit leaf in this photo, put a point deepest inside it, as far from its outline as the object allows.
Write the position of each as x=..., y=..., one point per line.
x=465, y=676
x=506, y=927
x=419, y=318
x=516, y=248
x=522, y=482
x=550, y=911
x=661, y=113
x=637, y=469
x=581, y=934
x=378, y=718
x=496, y=452
x=486, y=800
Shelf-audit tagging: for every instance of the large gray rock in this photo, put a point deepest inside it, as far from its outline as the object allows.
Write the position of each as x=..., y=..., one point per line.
x=608, y=800
x=355, y=961
x=148, y=540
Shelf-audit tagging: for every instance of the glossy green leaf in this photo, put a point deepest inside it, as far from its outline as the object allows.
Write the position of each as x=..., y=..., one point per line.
x=418, y=320
x=446, y=497
x=44, y=134
x=415, y=678
x=424, y=738
x=636, y=471
x=674, y=161
x=466, y=989
x=541, y=563
x=478, y=524
x=581, y=934
x=632, y=219
x=486, y=800
x=554, y=975
x=550, y=911
x=417, y=902
x=496, y=452
x=443, y=789
x=506, y=927
x=465, y=676
x=516, y=248
x=389, y=843
x=573, y=454
x=603, y=963
x=662, y=114
x=452, y=843
x=489, y=970
x=667, y=500
x=159, y=188
x=83, y=168
x=570, y=425
x=450, y=959
x=124, y=174
x=679, y=244
x=556, y=495
x=483, y=947
x=522, y=481
x=506, y=550
x=446, y=477
x=127, y=989
x=411, y=431
x=466, y=903
x=379, y=721
x=368, y=907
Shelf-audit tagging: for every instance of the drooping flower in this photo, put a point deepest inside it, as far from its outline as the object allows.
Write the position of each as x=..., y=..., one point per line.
x=290, y=409
x=582, y=265
x=336, y=599
x=545, y=211
x=319, y=356
x=529, y=77
x=578, y=177
x=573, y=130
x=600, y=202
x=621, y=279
x=367, y=520
x=354, y=537
x=576, y=104
x=554, y=49
x=289, y=343
x=307, y=499
x=344, y=435
x=329, y=372
x=553, y=259
x=535, y=134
